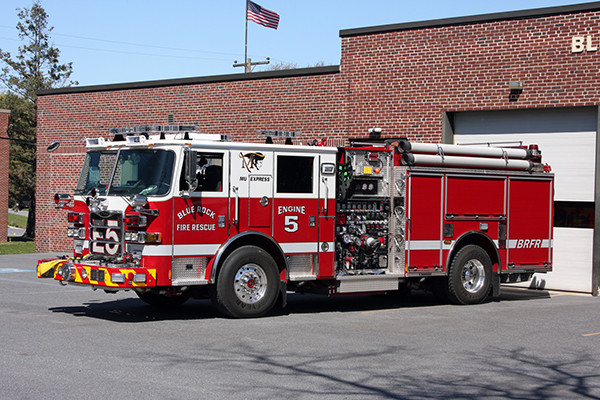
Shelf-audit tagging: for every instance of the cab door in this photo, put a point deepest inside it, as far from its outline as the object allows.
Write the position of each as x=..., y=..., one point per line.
x=252, y=190
x=296, y=210
x=200, y=220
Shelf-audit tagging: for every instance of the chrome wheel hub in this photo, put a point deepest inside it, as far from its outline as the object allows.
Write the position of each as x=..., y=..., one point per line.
x=250, y=283
x=473, y=276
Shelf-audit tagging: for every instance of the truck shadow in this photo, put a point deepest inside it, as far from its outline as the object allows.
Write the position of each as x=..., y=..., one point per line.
x=133, y=310
x=298, y=303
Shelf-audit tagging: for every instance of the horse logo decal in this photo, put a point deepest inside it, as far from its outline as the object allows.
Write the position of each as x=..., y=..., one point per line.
x=252, y=160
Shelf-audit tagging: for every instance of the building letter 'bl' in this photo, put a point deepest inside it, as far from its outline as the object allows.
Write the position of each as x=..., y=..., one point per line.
x=577, y=45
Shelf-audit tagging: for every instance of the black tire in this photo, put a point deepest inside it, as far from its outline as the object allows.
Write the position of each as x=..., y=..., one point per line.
x=469, y=276
x=247, y=283
x=162, y=300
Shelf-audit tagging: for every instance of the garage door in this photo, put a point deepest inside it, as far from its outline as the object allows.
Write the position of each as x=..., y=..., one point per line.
x=567, y=139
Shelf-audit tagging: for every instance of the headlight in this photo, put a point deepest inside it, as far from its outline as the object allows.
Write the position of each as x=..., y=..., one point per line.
x=132, y=236
x=67, y=271
x=76, y=233
x=143, y=237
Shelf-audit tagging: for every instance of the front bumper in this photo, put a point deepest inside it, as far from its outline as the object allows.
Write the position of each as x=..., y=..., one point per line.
x=114, y=277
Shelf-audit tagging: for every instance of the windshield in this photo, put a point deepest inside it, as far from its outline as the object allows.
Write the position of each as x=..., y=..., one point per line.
x=127, y=172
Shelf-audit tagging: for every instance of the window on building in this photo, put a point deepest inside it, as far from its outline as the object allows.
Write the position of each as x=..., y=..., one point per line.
x=574, y=214
x=295, y=174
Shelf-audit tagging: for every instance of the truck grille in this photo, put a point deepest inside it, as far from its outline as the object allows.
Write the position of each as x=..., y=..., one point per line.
x=106, y=233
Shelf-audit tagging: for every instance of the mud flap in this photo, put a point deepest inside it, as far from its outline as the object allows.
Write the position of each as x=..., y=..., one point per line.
x=283, y=293
x=495, y=286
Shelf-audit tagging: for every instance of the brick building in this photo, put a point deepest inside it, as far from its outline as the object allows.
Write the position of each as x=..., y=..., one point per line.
x=525, y=75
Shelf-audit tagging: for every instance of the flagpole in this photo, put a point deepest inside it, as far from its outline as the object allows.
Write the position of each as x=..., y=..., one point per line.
x=247, y=67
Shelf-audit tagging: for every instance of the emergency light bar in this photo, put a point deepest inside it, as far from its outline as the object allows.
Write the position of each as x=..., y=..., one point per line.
x=92, y=142
x=280, y=134
x=140, y=134
x=136, y=140
x=130, y=130
x=287, y=135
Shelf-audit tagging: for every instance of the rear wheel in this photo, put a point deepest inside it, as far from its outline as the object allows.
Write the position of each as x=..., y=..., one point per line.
x=469, y=276
x=247, y=284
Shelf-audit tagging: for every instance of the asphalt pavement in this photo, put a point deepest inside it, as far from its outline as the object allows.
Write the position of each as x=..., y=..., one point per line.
x=26, y=261
x=73, y=343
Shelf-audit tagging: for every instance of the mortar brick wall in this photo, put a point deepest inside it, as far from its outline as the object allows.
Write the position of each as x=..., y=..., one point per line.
x=402, y=78
x=4, y=167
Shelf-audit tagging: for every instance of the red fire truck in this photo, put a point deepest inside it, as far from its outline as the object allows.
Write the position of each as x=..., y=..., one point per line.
x=171, y=214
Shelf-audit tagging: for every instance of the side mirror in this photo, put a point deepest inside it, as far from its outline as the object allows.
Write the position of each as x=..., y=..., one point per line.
x=191, y=163
x=62, y=199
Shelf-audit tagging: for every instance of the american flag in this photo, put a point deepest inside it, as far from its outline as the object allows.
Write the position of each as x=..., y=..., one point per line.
x=262, y=16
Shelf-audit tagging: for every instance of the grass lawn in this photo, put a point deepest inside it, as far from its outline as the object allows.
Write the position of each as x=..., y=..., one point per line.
x=17, y=221
x=17, y=247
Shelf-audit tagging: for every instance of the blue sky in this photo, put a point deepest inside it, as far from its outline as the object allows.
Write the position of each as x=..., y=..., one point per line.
x=112, y=41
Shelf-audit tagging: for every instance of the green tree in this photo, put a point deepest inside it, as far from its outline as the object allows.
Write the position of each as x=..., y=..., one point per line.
x=35, y=67
x=22, y=148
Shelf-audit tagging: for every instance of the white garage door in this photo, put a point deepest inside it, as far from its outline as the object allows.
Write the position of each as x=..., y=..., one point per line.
x=567, y=139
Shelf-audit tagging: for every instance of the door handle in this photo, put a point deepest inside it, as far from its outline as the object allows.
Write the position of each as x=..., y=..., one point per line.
x=236, y=218
x=324, y=209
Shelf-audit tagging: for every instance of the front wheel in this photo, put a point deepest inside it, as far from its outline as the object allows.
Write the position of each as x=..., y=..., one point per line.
x=247, y=284
x=469, y=276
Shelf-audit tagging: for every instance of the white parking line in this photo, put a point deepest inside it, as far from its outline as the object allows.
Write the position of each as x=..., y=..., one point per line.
x=36, y=282
x=13, y=270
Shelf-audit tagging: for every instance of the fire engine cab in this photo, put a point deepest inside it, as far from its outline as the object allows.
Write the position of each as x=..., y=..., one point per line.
x=171, y=213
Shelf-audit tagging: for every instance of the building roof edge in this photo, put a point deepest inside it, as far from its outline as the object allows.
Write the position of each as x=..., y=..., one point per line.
x=521, y=14
x=287, y=73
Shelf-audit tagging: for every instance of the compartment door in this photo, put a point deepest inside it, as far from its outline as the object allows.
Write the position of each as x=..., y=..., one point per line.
x=425, y=208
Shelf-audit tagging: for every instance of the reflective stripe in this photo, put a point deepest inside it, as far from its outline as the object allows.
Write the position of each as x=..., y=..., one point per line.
x=180, y=249
x=305, y=247
x=211, y=249
x=512, y=244
x=428, y=245
x=424, y=244
x=530, y=244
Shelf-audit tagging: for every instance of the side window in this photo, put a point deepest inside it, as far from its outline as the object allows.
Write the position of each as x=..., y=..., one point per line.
x=295, y=174
x=209, y=172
